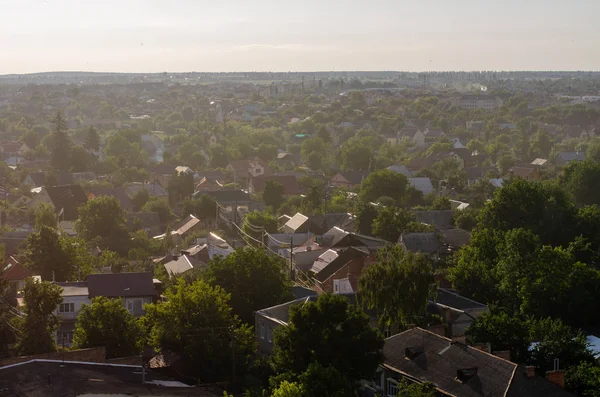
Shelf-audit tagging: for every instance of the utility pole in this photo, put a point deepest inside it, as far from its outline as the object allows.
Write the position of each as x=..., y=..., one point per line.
x=292, y=257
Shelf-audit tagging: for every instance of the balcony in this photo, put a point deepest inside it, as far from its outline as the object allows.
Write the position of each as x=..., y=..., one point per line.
x=67, y=316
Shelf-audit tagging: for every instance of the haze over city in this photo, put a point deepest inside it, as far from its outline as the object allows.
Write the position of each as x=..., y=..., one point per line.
x=265, y=35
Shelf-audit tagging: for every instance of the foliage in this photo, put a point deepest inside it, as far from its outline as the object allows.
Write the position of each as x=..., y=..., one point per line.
x=583, y=380
x=102, y=220
x=39, y=323
x=256, y=222
x=399, y=286
x=254, y=279
x=582, y=181
x=139, y=199
x=384, y=183
x=391, y=222
x=329, y=332
x=61, y=144
x=204, y=207
x=365, y=216
x=92, y=140
x=107, y=323
x=196, y=322
x=273, y=194
x=160, y=206
x=181, y=186
x=406, y=389
x=45, y=216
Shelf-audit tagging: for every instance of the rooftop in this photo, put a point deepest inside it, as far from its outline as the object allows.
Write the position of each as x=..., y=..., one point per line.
x=121, y=285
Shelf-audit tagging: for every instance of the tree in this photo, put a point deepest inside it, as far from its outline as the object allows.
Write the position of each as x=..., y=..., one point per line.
x=504, y=332
x=582, y=181
x=196, y=321
x=107, y=323
x=332, y=333
x=406, y=389
x=314, y=145
x=254, y=279
x=45, y=216
x=39, y=323
x=365, y=216
x=289, y=389
x=101, y=219
x=357, y=156
x=181, y=186
x=49, y=255
x=139, y=199
x=391, y=222
x=80, y=159
x=92, y=140
x=399, y=286
x=316, y=381
x=384, y=183
x=583, y=380
x=160, y=206
x=61, y=144
x=204, y=207
x=257, y=222
x=273, y=194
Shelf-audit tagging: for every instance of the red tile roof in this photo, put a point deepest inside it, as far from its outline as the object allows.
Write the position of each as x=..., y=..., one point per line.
x=14, y=271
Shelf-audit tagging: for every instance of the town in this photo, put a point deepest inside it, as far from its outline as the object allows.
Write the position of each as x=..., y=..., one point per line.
x=300, y=234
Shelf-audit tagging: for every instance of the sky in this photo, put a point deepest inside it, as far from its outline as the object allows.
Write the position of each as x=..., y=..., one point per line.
x=308, y=35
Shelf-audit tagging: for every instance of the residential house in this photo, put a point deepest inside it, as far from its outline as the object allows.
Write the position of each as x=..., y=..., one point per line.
x=542, y=163
x=419, y=138
x=457, y=311
x=118, y=193
x=13, y=149
x=74, y=296
x=135, y=289
x=162, y=174
x=180, y=264
x=65, y=199
x=348, y=179
x=485, y=102
x=232, y=198
x=286, y=160
x=154, y=190
x=454, y=239
x=456, y=143
x=433, y=134
x=296, y=224
x=407, y=133
x=426, y=243
x=439, y=219
x=457, y=370
x=288, y=182
x=208, y=184
x=321, y=223
x=243, y=170
x=565, y=158
x=335, y=265
x=185, y=228
x=422, y=184
x=525, y=171
x=392, y=137
x=400, y=169
x=15, y=274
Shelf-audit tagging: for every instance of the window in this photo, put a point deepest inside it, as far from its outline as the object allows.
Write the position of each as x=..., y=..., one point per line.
x=392, y=388
x=262, y=331
x=134, y=306
x=66, y=308
x=270, y=334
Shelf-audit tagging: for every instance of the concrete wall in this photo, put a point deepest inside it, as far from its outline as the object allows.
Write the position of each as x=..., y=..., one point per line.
x=94, y=355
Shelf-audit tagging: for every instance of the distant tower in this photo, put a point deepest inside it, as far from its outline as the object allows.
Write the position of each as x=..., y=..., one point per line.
x=220, y=117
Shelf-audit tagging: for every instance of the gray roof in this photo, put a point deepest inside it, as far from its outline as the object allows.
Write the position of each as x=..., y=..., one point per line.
x=180, y=265
x=153, y=189
x=441, y=219
x=441, y=362
x=456, y=237
x=323, y=260
x=452, y=299
x=321, y=223
x=426, y=243
x=572, y=156
x=116, y=285
x=186, y=224
x=296, y=221
x=74, y=288
x=400, y=169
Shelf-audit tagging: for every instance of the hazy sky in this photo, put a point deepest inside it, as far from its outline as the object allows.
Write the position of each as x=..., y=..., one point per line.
x=307, y=35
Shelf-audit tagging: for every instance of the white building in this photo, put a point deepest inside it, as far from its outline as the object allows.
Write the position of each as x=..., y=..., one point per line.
x=486, y=102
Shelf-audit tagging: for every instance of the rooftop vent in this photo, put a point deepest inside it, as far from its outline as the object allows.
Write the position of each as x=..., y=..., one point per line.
x=464, y=374
x=413, y=352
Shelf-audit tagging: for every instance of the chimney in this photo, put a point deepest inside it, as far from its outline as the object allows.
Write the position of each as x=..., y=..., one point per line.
x=462, y=339
x=505, y=354
x=530, y=372
x=557, y=377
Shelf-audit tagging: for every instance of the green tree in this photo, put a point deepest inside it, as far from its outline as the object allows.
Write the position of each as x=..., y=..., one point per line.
x=61, y=144
x=49, y=255
x=365, y=216
x=45, y=216
x=331, y=333
x=391, y=222
x=273, y=195
x=399, y=286
x=256, y=222
x=384, y=183
x=583, y=380
x=314, y=145
x=357, y=156
x=102, y=219
x=196, y=322
x=181, y=187
x=406, y=389
x=107, y=323
x=316, y=381
x=39, y=323
x=140, y=198
x=254, y=279
x=504, y=332
x=289, y=389
x=582, y=181
x=92, y=140
x=204, y=207
x=160, y=206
